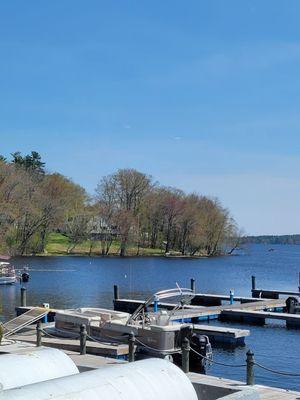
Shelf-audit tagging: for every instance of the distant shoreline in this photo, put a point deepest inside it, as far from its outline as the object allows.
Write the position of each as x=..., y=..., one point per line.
x=97, y=255
x=271, y=239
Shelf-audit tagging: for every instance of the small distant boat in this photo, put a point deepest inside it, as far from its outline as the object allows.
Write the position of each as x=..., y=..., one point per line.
x=7, y=273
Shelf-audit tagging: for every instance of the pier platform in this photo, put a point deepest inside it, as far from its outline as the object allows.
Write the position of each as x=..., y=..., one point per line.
x=207, y=386
x=200, y=299
x=259, y=317
x=206, y=299
x=220, y=387
x=272, y=294
x=207, y=313
x=114, y=350
x=221, y=334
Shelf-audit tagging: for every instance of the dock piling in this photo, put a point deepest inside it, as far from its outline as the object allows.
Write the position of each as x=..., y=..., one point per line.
x=131, y=348
x=250, y=368
x=193, y=285
x=23, y=297
x=253, y=282
x=39, y=334
x=185, y=361
x=83, y=334
x=116, y=292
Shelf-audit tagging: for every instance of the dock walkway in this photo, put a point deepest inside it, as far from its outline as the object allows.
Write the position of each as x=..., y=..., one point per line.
x=214, y=312
x=292, y=320
x=103, y=349
x=265, y=392
x=205, y=383
x=221, y=334
x=272, y=294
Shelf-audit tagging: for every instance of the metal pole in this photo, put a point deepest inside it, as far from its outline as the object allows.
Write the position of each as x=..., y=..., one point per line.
x=39, y=334
x=155, y=304
x=131, y=348
x=193, y=285
x=23, y=297
x=83, y=334
x=185, y=358
x=299, y=282
x=116, y=292
x=250, y=367
x=253, y=282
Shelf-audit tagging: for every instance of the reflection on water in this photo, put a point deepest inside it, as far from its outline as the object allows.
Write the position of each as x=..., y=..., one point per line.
x=67, y=282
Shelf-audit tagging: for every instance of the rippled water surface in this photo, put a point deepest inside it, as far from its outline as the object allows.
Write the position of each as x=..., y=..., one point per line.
x=81, y=281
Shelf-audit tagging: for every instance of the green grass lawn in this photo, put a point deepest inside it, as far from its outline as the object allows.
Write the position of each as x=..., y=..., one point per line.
x=57, y=244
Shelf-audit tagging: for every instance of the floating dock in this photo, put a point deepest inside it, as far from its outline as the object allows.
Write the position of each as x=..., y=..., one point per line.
x=221, y=334
x=206, y=386
x=272, y=294
x=105, y=349
x=200, y=299
x=206, y=299
x=207, y=313
x=259, y=317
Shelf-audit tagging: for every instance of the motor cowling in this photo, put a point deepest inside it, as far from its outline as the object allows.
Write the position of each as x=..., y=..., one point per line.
x=199, y=358
x=293, y=305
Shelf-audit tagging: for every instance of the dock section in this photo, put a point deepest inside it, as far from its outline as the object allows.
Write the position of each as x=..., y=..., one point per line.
x=221, y=334
x=104, y=349
x=259, y=317
x=205, y=385
x=272, y=294
x=207, y=313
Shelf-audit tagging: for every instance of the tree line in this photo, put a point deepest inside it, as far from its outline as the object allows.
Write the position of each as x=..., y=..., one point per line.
x=272, y=239
x=128, y=207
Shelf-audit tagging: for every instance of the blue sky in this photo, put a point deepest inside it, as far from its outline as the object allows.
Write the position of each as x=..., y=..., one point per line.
x=203, y=95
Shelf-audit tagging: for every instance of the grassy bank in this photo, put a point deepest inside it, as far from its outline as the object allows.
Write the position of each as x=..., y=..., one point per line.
x=58, y=244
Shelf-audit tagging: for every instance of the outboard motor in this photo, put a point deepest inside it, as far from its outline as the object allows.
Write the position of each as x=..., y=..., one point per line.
x=293, y=305
x=200, y=358
x=25, y=277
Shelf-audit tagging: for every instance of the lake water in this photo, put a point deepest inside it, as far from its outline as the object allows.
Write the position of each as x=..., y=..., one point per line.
x=81, y=281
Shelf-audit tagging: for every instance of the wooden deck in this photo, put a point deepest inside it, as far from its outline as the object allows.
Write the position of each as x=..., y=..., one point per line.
x=292, y=320
x=200, y=299
x=207, y=312
x=222, y=334
x=89, y=362
x=265, y=392
x=272, y=294
x=96, y=348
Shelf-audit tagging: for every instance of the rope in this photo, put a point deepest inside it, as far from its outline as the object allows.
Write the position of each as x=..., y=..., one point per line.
x=93, y=339
x=244, y=365
x=169, y=351
x=58, y=337
x=217, y=362
x=276, y=372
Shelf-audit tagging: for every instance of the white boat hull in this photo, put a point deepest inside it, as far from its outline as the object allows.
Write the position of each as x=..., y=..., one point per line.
x=7, y=280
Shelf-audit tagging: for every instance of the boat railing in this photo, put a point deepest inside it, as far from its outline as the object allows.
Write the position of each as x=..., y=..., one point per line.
x=183, y=294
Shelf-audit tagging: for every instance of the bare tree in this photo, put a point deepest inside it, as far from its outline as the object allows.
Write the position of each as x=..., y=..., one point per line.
x=123, y=193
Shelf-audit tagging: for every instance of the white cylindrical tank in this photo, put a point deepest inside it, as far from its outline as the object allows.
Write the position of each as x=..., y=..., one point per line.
x=152, y=379
x=33, y=365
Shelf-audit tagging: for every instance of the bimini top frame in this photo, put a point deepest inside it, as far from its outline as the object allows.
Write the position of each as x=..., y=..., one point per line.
x=185, y=297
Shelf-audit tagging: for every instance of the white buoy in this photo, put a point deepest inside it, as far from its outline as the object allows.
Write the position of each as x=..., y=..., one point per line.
x=152, y=379
x=34, y=365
